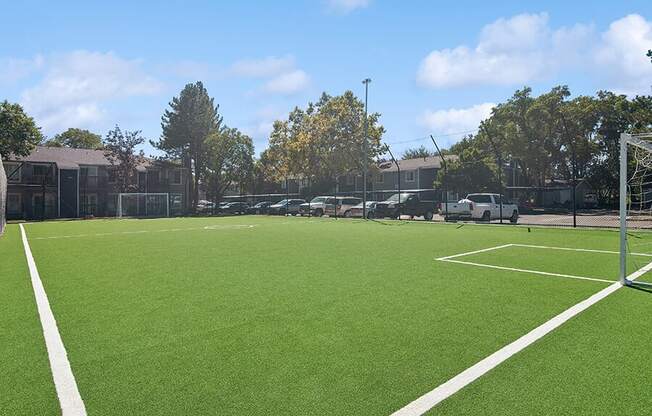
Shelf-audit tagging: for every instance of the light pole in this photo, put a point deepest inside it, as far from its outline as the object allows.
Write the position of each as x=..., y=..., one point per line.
x=365, y=150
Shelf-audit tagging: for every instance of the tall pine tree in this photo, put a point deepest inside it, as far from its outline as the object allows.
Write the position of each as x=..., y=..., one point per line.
x=190, y=120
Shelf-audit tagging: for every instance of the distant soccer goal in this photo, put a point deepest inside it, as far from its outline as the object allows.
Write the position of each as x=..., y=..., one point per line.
x=635, y=201
x=143, y=205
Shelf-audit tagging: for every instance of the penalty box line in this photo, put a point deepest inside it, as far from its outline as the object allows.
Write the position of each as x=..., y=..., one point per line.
x=65, y=385
x=432, y=398
x=455, y=259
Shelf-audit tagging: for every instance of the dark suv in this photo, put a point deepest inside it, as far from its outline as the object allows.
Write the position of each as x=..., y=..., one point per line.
x=421, y=203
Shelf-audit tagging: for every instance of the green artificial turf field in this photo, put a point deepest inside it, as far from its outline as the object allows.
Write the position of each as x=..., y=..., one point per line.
x=274, y=315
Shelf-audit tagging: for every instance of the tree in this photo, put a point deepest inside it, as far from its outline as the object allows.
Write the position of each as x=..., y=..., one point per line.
x=191, y=119
x=324, y=141
x=120, y=150
x=76, y=139
x=473, y=171
x=649, y=54
x=18, y=132
x=419, y=152
x=229, y=160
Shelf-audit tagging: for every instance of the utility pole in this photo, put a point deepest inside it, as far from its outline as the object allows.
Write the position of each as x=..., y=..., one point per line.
x=365, y=149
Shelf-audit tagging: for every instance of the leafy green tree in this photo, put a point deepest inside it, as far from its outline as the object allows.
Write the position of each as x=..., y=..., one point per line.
x=418, y=152
x=324, y=141
x=474, y=170
x=18, y=132
x=76, y=139
x=187, y=124
x=229, y=160
x=120, y=150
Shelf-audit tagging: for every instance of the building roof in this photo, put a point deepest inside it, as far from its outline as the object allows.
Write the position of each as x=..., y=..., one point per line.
x=430, y=162
x=68, y=158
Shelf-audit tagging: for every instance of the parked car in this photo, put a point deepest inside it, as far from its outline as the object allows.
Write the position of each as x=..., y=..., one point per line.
x=484, y=207
x=316, y=207
x=260, y=208
x=235, y=208
x=590, y=200
x=356, y=211
x=421, y=203
x=341, y=206
x=204, y=206
x=286, y=206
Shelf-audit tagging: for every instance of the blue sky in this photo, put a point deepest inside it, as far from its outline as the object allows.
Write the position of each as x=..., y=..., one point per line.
x=437, y=67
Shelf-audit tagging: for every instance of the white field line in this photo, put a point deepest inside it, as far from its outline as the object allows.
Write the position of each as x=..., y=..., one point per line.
x=168, y=230
x=64, y=381
x=585, y=250
x=432, y=398
x=468, y=253
x=513, y=269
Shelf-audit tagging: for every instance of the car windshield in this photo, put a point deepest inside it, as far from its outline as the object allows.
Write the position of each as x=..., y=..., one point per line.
x=480, y=199
x=282, y=202
x=261, y=204
x=318, y=199
x=394, y=198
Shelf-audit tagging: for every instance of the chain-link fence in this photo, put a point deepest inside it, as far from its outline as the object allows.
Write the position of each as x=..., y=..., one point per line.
x=560, y=205
x=3, y=198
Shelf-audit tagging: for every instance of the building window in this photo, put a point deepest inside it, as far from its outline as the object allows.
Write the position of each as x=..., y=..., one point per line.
x=409, y=176
x=113, y=175
x=176, y=177
x=88, y=170
x=154, y=176
x=43, y=208
x=380, y=178
x=16, y=169
x=350, y=180
x=40, y=170
x=88, y=176
x=89, y=204
x=14, y=204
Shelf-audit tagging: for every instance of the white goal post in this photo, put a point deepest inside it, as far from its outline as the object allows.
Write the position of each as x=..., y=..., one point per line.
x=143, y=204
x=635, y=193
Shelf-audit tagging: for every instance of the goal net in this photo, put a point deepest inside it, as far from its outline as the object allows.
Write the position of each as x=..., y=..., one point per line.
x=635, y=206
x=143, y=205
x=3, y=198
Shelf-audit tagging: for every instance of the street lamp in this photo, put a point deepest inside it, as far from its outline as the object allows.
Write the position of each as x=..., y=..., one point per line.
x=365, y=150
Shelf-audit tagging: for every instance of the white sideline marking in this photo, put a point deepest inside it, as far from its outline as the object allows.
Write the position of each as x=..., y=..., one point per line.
x=586, y=250
x=434, y=397
x=64, y=381
x=168, y=230
x=513, y=269
x=468, y=253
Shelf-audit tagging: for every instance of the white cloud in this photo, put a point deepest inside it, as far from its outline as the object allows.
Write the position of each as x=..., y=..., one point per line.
x=346, y=6
x=509, y=51
x=621, y=55
x=75, y=86
x=524, y=48
x=456, y=120
x=280, y=73
x=263, y=68
x=13, y=70
x=288, y=83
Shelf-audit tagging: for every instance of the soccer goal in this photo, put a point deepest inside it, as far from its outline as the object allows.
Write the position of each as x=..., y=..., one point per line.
x=635, y=201
x=143, y=205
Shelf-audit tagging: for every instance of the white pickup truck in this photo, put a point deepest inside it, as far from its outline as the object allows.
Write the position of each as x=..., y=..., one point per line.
x=484, y=207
